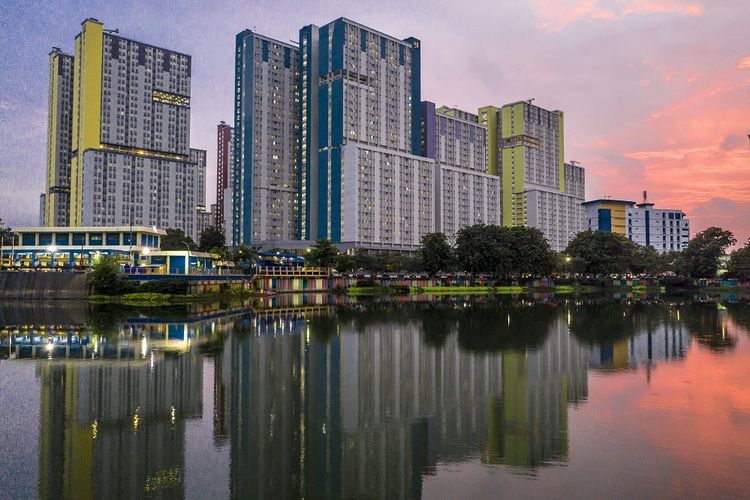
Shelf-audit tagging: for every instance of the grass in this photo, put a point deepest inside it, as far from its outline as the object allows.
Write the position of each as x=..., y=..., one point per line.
x=144, y=299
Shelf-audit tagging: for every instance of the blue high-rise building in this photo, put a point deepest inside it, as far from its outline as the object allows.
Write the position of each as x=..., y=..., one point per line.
x=264, y=184
x=362, y=181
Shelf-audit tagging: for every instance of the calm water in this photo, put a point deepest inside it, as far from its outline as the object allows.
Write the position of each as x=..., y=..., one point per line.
x=441, y=398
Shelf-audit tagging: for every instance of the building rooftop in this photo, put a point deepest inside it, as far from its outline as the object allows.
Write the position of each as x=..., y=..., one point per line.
x=606, y=200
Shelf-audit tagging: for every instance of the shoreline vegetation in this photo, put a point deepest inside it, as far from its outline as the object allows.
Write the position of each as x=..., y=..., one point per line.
x=161, y=299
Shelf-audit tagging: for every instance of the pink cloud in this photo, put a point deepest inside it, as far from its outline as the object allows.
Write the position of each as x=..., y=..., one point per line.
x=554, y=15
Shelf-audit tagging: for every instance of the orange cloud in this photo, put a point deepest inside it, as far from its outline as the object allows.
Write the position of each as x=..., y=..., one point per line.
x=744, y=63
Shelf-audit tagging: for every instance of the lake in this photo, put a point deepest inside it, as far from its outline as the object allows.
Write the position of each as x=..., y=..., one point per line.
x=316, y=396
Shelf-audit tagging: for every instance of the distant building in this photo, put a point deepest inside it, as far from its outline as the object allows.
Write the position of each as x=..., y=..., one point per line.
x=120, y=111
x=664, y=229
x=42, y=208
x=607, y=215
x=224, y=175
x=264, y=194
x=203, y=221
x=526, y=149
x=465, y=194
x=59, y=132
x=362, y=181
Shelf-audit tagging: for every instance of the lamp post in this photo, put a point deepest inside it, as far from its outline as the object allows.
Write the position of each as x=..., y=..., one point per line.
x=2, y=240
x=187, y=259
x=52, y=249
x=145, y=252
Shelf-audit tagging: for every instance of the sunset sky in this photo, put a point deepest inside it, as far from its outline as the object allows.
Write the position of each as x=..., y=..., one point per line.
x=656, y=94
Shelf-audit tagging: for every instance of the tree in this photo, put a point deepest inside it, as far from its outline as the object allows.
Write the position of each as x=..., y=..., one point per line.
x=210, y=238
x=436, y=253
x=322, y=254
x=176, y=239
x=105, y=277
x=6, y=234
x=701, y=257
x=243, y=255
x=599, y=252
x=531, y=253
x=739, y=263
x=482, y=248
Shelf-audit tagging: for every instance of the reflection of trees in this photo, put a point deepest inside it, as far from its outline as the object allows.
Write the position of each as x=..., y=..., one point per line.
x=502, y=326
x=438, y=322
x=740, y=314
x=607, y=322
x=706, y=325
x=106, y=319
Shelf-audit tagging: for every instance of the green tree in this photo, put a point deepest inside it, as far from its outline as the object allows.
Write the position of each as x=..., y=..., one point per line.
x=6, y=234
x=105, y=277
x=435, y=253
x=344, y=263
x=645, y=260
x=211, y=237
x=176, y=239
x=530, y=252
x=482, y=248
x=739, y=263
x=701, y=257
x=322, y=254
x=243, y=255
x=599, y=252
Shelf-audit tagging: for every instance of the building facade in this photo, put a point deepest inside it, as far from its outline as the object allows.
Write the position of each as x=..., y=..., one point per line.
x=224, y=175
x=465, y=193
x=529, y=158
x=607, y=215
x=129, y=146
x=362, y=181
x=264, y=195
x=56, y=210
x=665, y=230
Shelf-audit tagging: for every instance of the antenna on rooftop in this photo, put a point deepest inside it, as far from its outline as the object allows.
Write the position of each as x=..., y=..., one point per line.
x=575, y=162
x=116, y=30
x=530, y=100
x=645, y=197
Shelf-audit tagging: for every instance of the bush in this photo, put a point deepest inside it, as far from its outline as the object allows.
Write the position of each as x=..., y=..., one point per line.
x=677, y=282
x=171, y=286
x=400, y=289
x=106, y=279
x=365, y=282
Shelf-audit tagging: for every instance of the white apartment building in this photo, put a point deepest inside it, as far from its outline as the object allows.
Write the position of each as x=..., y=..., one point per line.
x=664, y=229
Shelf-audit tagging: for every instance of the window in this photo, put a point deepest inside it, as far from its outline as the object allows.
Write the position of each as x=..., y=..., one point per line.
x=113, y=239
x=95, y=239
x=79, y=239
x=62, y=239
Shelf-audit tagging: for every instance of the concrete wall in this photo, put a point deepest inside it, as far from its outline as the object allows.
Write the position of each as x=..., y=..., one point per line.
x=41, y=285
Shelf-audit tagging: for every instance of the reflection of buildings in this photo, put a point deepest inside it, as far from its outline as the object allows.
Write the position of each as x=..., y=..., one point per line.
x=111, y=430
x=529, y=421
x=342, y=406
x=661, y=342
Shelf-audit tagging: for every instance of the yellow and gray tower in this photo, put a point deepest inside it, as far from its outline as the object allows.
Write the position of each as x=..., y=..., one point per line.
x=526, y=148
x=130, y=155
x=59, y=127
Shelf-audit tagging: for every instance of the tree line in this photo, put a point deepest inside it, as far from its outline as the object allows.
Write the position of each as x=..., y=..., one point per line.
x=514, y=252
x=510, y=253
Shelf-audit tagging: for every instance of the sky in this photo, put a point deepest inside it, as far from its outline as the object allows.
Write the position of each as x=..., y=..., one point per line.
x=656, y=93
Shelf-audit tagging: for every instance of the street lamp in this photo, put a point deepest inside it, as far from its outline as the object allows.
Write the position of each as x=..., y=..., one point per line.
x=2, y=240
x=187, y=259
x=52, y=249
x=145, y=252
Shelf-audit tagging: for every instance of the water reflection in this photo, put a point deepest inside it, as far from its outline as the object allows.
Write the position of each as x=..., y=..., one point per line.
x=313, y=400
